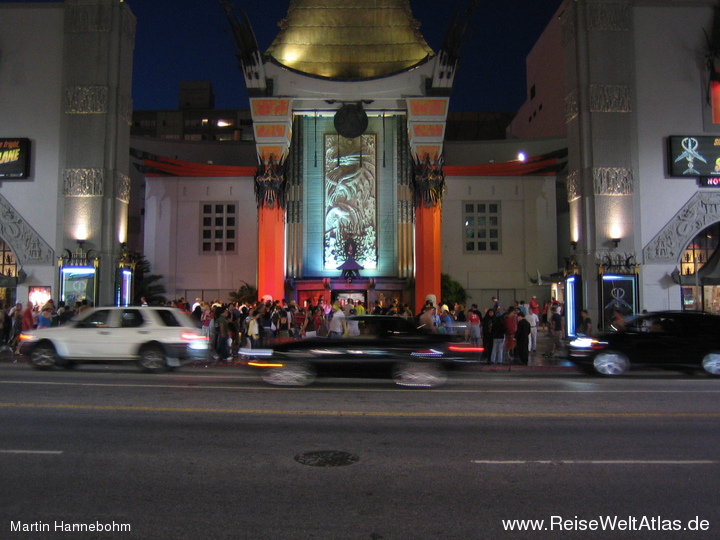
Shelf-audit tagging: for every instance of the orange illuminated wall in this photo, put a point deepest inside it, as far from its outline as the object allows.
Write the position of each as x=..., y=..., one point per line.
x=427, y=253
x=271, y=252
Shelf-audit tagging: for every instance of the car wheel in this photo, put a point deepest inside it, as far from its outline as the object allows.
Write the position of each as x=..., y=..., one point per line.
x=152, y=359
x=44, y=356
x=290, y=375
x=419, y=375
x=711, y=363
x=611, y=363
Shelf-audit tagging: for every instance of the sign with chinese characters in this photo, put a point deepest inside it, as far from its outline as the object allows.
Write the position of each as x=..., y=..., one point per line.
x=14, y=158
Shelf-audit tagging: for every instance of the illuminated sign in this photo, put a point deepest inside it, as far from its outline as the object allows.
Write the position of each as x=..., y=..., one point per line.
x=14, y=158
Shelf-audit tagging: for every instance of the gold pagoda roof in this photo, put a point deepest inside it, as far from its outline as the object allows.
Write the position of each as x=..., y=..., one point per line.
x=349, y=39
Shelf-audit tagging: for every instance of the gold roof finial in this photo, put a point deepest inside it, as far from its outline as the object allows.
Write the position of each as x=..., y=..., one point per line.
x=349, y=39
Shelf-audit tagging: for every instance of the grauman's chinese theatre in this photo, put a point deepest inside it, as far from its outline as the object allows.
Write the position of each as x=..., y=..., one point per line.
x=349, y=106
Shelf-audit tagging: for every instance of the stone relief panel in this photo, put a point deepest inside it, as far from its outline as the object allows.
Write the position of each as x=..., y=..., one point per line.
x=610, y=98
x=701, y=211
x=88, y=18
x=122, y=187
x=613, y=181
x=28, y=246
x=86, y=99
x=84, y=182
x=574, y=185
x=616, y=17
x=126, y=109
x=572, y=106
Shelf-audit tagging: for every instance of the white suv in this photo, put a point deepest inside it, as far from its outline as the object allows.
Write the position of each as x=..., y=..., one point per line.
x=156, y=338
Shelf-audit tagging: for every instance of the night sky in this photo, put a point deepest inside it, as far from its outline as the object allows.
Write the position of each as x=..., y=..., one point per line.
x=190, y=40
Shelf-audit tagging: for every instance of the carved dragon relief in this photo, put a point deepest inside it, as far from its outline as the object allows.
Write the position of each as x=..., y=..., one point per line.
x=27, y=245
x=701, y=211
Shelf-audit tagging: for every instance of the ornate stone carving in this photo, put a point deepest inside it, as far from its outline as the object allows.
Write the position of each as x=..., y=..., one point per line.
x=122, y=187
x=613, y=181
x=293, y=213
x=428, y=183
x=572, y=106
x=88, y=18
x=405, y=211
x=574, y=185
x=701, y=211
x=610, y=98
x=86, y=99
x=613, y=17
x=126, y=109
x=83, y=182
x=271, y=185
x=27, y=245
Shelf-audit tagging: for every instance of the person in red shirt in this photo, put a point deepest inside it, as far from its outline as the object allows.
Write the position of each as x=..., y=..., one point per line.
x=473, y=322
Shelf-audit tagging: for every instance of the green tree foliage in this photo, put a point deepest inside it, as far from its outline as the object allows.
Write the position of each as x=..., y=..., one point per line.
x=451, y=291
x=147, y=285
x=245, y=294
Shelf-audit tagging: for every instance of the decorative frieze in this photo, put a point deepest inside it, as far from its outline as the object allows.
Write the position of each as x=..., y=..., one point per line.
x=88, y=18
x=405, y=211
x=574, y=185
x=572, y=106
x=86, y=99
x=84, y=182
x=613, y=181
x=610, y=98
x=701, y=211
x=122, y=187
x=293, y=211
x=609, y=17
x=27, y=245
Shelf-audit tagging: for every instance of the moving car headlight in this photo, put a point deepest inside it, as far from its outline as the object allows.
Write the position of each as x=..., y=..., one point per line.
x=587, y=343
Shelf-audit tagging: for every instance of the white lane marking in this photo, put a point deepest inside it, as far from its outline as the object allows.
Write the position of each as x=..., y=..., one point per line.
x=596, y=462
x=50, y=452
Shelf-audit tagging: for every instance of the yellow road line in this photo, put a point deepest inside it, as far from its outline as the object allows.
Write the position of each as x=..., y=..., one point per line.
x=290, y=412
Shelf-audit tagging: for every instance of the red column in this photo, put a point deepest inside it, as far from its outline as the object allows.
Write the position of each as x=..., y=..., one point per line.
x=271, y=252
x=427, y=253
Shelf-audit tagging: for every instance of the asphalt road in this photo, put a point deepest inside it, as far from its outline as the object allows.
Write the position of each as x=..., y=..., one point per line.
x=214, y=453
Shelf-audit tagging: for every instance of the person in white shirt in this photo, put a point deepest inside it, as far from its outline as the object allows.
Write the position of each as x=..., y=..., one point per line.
x=534, y=320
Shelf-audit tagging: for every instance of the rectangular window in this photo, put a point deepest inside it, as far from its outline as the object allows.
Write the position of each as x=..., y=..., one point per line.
x=218, y=223
x=481, y=222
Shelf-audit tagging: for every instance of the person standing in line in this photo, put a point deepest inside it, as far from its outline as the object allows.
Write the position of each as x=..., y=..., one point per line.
x=522, y=338
x=585, y=326
x=557, y=330
x=474, y=333
x=510, y=328
x=487, y=324
x=498, y=335
x=338, y=324
x=534, y=320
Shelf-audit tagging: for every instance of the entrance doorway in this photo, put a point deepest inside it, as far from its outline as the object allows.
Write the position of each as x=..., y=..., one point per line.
x=8, y=275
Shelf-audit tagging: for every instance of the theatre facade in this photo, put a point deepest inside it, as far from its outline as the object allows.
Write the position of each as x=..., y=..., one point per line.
x=349, y=186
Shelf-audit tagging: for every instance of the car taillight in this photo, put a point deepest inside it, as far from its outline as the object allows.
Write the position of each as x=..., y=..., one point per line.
x=191, y=336
x=466, y=348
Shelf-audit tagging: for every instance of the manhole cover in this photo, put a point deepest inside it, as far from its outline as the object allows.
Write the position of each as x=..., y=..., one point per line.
x=326, y=458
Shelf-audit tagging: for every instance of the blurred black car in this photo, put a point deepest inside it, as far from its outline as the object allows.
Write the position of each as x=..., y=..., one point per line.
x=679, y=340
x=386, y=346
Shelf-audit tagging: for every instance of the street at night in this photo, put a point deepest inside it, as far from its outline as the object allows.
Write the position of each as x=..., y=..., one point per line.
x=212, y=452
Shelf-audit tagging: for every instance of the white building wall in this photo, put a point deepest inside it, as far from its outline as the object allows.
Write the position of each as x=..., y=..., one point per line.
x=31, y=61
x=172, y=234
x=671, y=100
x=528, y=230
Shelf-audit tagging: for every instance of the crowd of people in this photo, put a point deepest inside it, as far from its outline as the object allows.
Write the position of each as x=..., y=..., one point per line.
x=507, y=335
x=18, y=318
